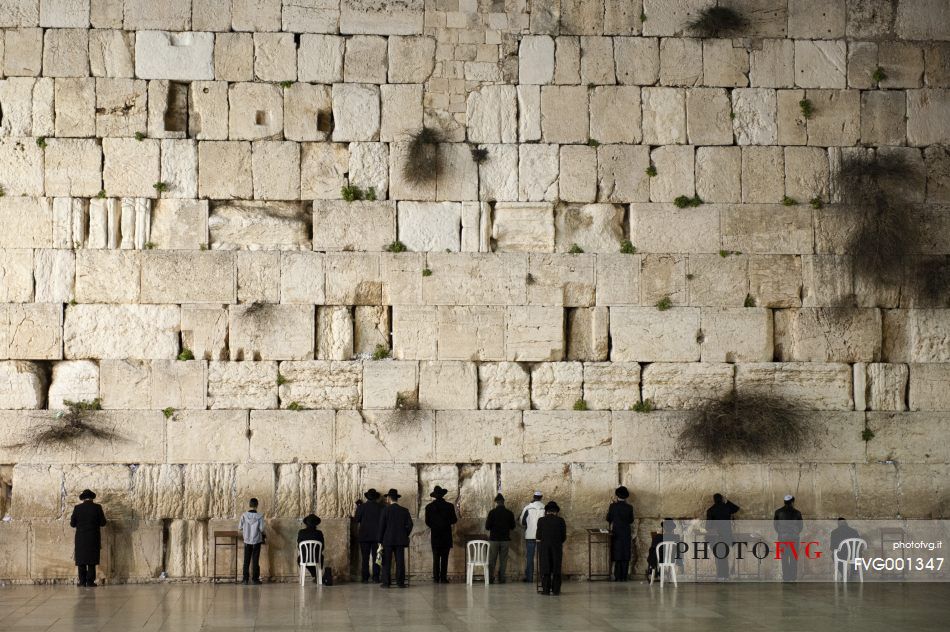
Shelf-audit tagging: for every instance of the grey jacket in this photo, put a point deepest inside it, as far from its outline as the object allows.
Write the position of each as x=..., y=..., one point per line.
x=252, y=526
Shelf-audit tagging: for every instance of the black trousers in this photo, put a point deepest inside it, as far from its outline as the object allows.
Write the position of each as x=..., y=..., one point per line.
x=87, y=573
x=368, y=560
x=252, y=561
x=789, y=567
x=550, y=557
x=621, y=570
x=440, y=563
x=389, y=552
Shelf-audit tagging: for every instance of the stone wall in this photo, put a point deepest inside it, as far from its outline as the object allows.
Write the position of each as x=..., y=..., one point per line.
x=174, y=242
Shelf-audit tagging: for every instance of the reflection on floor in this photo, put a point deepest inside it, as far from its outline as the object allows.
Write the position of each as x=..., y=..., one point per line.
x=582, y=607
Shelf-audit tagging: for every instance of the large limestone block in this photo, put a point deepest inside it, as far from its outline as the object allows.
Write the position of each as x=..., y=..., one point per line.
x=31, y=331
x=259, y=226
x=242, y=385
x=669, y=17
x=475, y=279
x=65, y=53
x=611, y=385
x=207, y=436
x=810, y=385
x=204, y=330
x=836, y=121
x=664, y=116
x=156, y=385
x=112, y=484
x=523, y=227
x=197, y=491
x=833, y=334
x=380, y=17
x=492, y=115
x=478, y=436
x=321, y=384
x=370, y=328
x=39, y=491
x=134, y=438
x=534, y=333
x=307, y=111
x=564, y=114
x=663, y=277
x=503, y=386
x=737, y=335
x=411, y=59
x=108, y=276
x=229, y=177
x=618, y=279
x=179, y=224
x=447, y=385
x=338, y=485
x=412, y=332
x=908, y=437
x=880, y=386
x=401, y=278
x=498, y=176
x=925, y=111
x=334, y=333
x=401, y=111
x=255, y=112
x=621, y=173
x=323, y=169
x=121, y=331
x=425, y=226
x=16, y=274
x=561, y=280
x=369, y=167
x=755, y=116
x=320, y=58
x=520, y=480
x=138, y=549
x=684, y=386
x=708, y=121
x=595, y=228
x=587, y=333
x=665, y=228
x=286, y=436
x=928, y=386
x=765, y=229
x=377, y=436
x=353, y=279
x=763, y=175
x=207, y=120
x=21, y=161
x=615, y=114
x=471, y=333
x=538, y=172
x=820, y=64
x=713, y=280
x=775, y=280
x=556, y=385
x=275, y=166
x=180, y=168
x=73, y=167
x=646, y=334
x=73, y=380
x=566, y=436
x=390, y=384
x=50, y=548
x=577, y=178
x=186, y=548
x=271, y=332
x=674, y=177
x=25, y=222
x=184, y=56
x=301, y=278
x=339, y=225
x=773, y=66
x=356, y=112
x=188, y=277
x=536, y=60
x=916, y=335
x=681, y=62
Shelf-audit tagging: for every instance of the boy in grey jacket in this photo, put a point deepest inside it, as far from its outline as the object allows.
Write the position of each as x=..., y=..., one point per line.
x=251, y=526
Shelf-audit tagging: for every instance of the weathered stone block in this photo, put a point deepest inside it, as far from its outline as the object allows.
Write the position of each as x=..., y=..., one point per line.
x=121, y=331
x=534, y=333
x=400, y=436
x=618, y=279
x=323, y=168
x=242, y=385
x=448, y=385
x=280, y=436
x=811, y=385
x=179, y=224
x=370, y=328
x=355, y=112
x=595, y=228
x=828, y=334
x=611, y=385
x=564, y=114
x=674, y=173
x=255, y=112
x=927, y=386
x=275, y=166
x=259, y=225
x=369, y=167
x=411, y=58
x=476, y=279
x=523, y=227
x=22, y=385
x=536, y=60
x=231, y=175
x=773, y=66
x=836, y=120
x=664, y=116
x=725, y=63
x=477, y=437
x=646, y=334
x=492, y=115
x=615, y=114
x=767, y=229
x=156, y=384
x=681, y=61
x=907, y=437
x=425, y=226
x=587, y=333
x=577, y=174
x=637, y=60
x=562, y=436
x=183, y=56
x=680, y=386
x=388, y=384
x=16, y=271
x=665, y=228
x=321, y=384
x=188, y=277
x=708, y=120
x=353, y=279
x=73, y=380
x=755, y=116
x=334, y=333
x=271, y=332
x=925, y=110
x=503, y=385
x=621, y=173
x=275, y=57
x=714, y=280
x=538, y=172
x=471, y=333
x=73, y=167
x=556, y=385
x=763, y=175
x=663, y=277
x=880, y=386
x=197, y=436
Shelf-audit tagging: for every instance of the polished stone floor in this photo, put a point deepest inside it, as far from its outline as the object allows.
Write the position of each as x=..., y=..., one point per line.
x=582, y=607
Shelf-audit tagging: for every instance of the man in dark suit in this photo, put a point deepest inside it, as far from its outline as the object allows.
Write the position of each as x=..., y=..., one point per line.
x=395, y=525
x=499, y=524
x=551, y=534
x=788, y=526
x=620, y=517
x=440, y=516
x=367, y=520
x=87, y=519
x=719, y=532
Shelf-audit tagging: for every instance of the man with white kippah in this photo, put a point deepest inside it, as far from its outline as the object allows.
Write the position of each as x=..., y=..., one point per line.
x=530, y=515
x=788, y=526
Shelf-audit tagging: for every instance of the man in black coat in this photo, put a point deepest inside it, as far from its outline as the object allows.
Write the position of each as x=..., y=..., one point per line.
x=719, y=532
x=440, y=516
x=551, y=535
x=395, y=525
x=499, y=524
x=788, y=526
x=87, y=519
x=367, y=520
x=620, y=517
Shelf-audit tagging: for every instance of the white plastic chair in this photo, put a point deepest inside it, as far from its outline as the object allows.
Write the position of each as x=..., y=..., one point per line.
x=310, y=552
x=477, y=557
x=665, y=551
x=851, y=548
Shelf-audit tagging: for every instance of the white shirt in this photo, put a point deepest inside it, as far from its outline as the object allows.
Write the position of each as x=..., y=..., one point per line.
x=530, y=515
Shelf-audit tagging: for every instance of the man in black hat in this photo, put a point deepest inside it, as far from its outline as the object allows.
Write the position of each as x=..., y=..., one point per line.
x=620, y=517
x=311, y=533
x=788, y=526
x=395, y=525
x=719, y=532
x=551, y=535
x=499, y=524
x=440, y=516
x=87, y=519
x=367, y=534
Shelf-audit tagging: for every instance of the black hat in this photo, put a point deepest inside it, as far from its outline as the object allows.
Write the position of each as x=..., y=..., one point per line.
x=311, y=520
x=87, y=494
x=371, y=494
x=439, y=492
x=499, y=498
x=392, y=493
x=622, y=492
x=552, y=507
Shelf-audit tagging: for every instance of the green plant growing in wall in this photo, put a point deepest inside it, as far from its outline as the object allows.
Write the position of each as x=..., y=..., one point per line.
x=664, y=304
x=682, y=201
x=749, y=301
x=690, y=276
x=351, y=193
x=650, y=171
x=867, y=434
x=645, y=406
x=101, y=194
x=69, y=427
x=878, y=75
x=149, y=245
x=396, y=246
x=168, y=412
x=816, y=203
x=580, y=404
x=806, y=108
x=479, y=154
x=529, y=279
x=370, y=194
x=426, y=272
x=139, y=136
x=381, y=352
x=186, y=355
x=715, y=21
x=593, y=142
x=627, y=247
x=575, y=250
x=160, y=186
x=424, y=161
x=789, y=201
x=281, y=379
x=700, y=337
x=297, y=406
x=286, y=84
x=3, y=191
x=41, y=141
